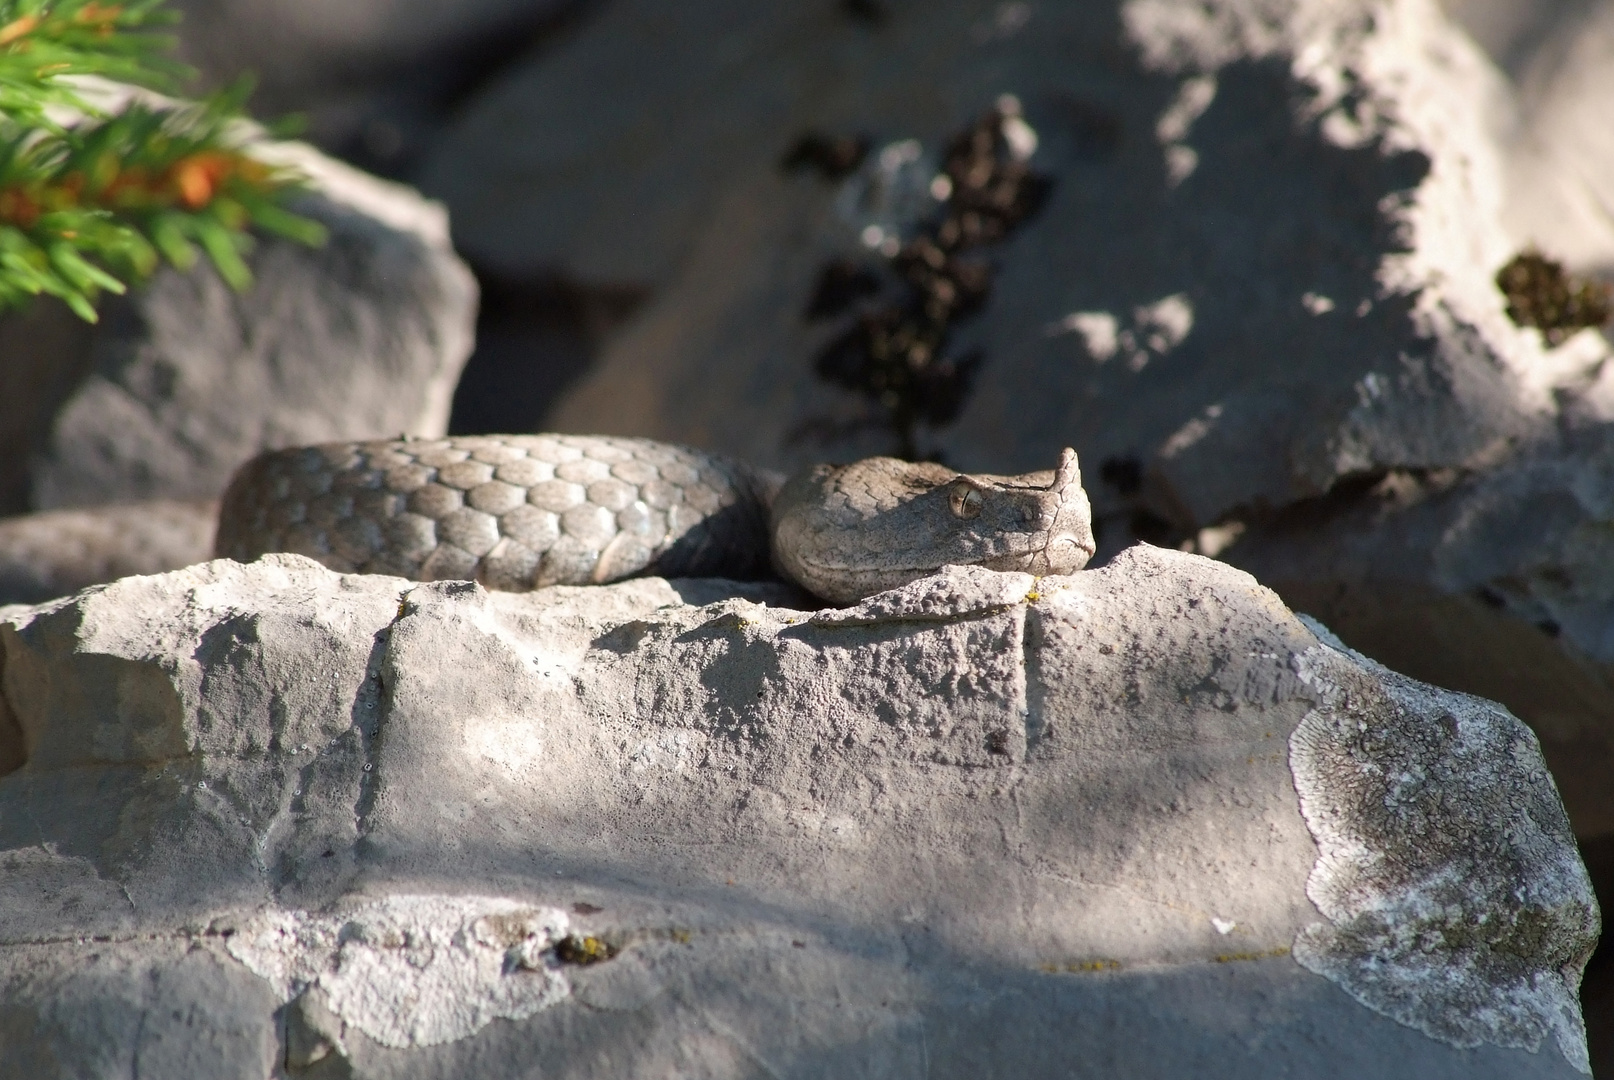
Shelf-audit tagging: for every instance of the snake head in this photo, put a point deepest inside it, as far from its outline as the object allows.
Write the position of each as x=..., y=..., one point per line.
x=846, y=532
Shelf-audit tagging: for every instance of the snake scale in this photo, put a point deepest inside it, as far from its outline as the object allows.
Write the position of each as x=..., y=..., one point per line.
x=520, y=512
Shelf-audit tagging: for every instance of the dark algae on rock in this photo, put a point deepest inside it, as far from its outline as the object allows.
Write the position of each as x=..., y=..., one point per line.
x=1542, y=294
x=901, y=312
x=833, y=157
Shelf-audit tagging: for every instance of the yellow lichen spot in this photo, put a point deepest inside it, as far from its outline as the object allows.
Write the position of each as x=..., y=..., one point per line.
x=1077, y=967
x=1093, y=965
x=583, y=949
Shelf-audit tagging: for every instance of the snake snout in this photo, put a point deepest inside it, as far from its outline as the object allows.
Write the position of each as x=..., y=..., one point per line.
x=1066, y=553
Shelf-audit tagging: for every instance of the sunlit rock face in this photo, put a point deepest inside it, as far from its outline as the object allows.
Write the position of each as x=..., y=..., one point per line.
x=1262, y=263
x=269, y=816
x=1257, y=296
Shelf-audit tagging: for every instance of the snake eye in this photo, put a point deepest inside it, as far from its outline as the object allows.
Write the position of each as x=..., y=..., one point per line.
x=965, y=500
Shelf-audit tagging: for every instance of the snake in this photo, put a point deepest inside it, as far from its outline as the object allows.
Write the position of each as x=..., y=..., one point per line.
x=522, y=512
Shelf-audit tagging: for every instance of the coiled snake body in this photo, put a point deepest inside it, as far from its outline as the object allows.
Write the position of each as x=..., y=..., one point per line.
x=519, y=512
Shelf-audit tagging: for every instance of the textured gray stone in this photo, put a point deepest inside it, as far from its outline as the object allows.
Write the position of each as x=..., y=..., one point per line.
x=57, y=552
x=1558, y=151
x=1310, y=300
x=185, y=379
x=984, y=825
x=1497, y=582
x=371, y=77
x=1307, y=309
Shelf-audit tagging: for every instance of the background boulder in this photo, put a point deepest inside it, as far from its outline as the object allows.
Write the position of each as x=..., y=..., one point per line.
x=184, y=379
x=373, y=78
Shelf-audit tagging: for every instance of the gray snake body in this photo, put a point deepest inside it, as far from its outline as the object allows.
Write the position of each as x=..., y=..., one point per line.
x=519, y=512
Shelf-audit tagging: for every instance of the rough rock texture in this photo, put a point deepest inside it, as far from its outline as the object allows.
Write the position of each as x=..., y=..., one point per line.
x=1262, y=283
x=1497, y=582
x=985, y=825
x=370, y=75
x=1558, y=149
x=182, y=382
x=58, y=552
x=1258, y=271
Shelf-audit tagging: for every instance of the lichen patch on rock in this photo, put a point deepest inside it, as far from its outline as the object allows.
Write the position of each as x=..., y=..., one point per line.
x=1455, y=900
x=412, y=970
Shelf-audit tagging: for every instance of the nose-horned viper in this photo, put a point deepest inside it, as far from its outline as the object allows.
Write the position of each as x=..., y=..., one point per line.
x=521, y=512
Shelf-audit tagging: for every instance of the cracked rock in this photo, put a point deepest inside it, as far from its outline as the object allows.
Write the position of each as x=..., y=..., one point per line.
x=267, y=816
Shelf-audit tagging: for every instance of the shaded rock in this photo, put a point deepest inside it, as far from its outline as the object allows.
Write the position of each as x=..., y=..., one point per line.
x=1263, y=281
x=984, y=825
x=32, y=392
x=1264, y=263
x=58, y=552
x=185, y=379
x=1497, y=582
x=372, y=77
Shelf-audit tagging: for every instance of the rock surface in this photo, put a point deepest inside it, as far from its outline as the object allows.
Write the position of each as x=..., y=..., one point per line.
x=183, y=381
x=370, y=76
x=1258, y=271
x=1140, y=821
x=1261, y=284
x=1559, y=153
x=57, y=552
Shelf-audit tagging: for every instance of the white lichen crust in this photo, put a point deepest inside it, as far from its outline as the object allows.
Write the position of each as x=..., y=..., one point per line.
x=411, y=970
x=1456, y=899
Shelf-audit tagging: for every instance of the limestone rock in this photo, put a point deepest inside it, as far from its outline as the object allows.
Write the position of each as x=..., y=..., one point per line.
x=1262, y=283
x=1264, y=265
x=1558, y=153
x=184, y=380
x=1497, y=582
x=1142, y=819
x=370, y=76
x=57, y=552
x=1561, y=159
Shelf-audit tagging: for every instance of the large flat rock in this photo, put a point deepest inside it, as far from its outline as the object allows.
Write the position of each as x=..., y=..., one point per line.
x=1262, y=284
x=1140, y=821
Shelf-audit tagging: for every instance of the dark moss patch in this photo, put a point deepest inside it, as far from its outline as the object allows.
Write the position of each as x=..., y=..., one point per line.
x=902, y=310
x=867, y=12
x=833, y=157
x=841, y=283
x=1542, y=294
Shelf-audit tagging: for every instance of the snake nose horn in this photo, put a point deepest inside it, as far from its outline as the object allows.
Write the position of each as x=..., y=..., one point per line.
x=1068, y=473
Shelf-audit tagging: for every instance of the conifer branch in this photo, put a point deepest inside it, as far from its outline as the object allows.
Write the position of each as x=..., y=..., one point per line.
x=93, y=200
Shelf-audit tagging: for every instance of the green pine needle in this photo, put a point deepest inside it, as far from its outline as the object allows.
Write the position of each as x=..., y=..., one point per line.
x=94, y=202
